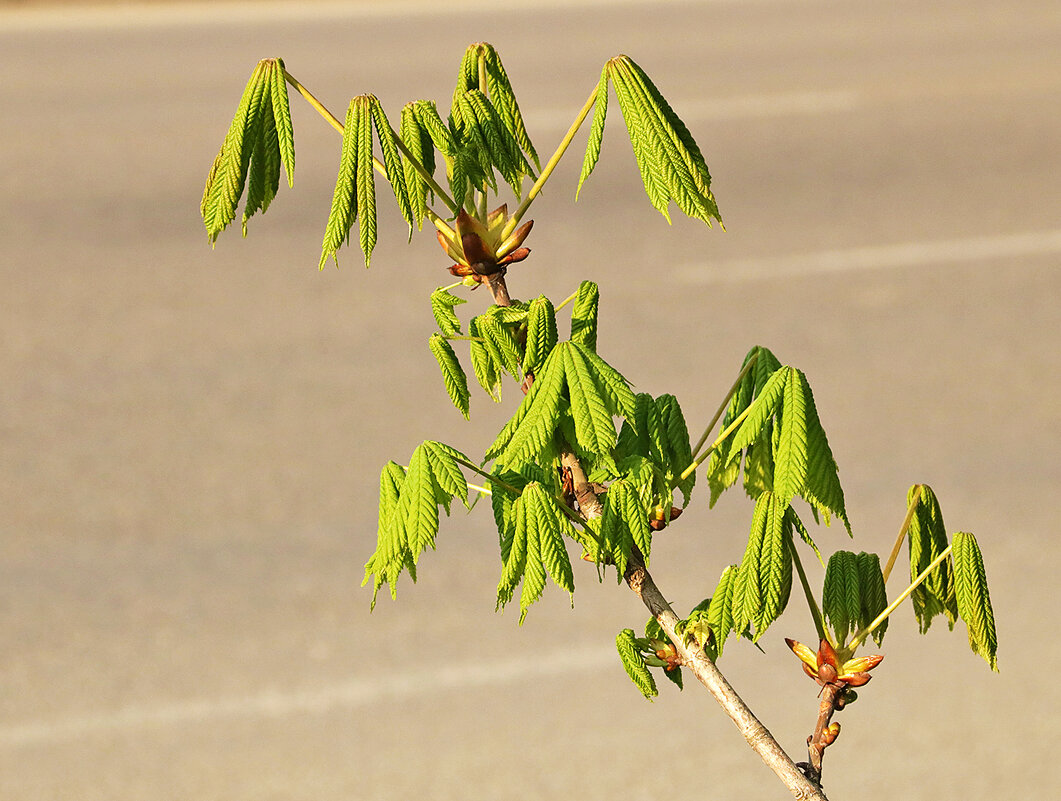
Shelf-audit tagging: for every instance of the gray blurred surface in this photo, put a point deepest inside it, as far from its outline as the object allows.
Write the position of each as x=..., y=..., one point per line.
x=190, y=439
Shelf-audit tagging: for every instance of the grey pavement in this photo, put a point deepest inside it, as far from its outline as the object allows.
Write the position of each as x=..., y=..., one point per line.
x=190, y=438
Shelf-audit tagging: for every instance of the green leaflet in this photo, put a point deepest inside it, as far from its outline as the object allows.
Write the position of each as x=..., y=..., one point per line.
x=504, y=100
x=484, y=128
x=764, y=577
x=355, y=188
x=720, y=610
x=537, y=546
x=671, y=164
x=790, y=460
x=596, y=390
x=657, y=433
x=634, y=663
x=442, y=305
x=453, y=377
x=842, y=594
x=500, y=341
x=484, y=365
x=764, y=407
x=972, y=597
x=408, y=516
x=541, y=333
x=417, y=142
x=584, y=315
x=927, y=538
x=873, y=595
x=624, y=526
x=596, y=131
x=259, y=138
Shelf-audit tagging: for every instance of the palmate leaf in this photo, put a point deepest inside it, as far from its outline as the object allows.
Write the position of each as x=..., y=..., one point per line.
x=453, y=377
x=634, y=663
x=593, y=385
x=409, y=502
x=927, y=538
x=537, y=547
x=671, y=164
x=355, y=186
x=624, y=526
x=259, y=138
x=973, y=598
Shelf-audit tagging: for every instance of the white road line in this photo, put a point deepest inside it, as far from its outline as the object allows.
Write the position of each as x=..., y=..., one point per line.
x=219, y=13
x=909, y=254
x=280, y=704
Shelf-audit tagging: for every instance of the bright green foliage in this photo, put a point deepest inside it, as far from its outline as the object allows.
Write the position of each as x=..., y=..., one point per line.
x=483, y=364
x=258, y=140
x=720, y=608
x=541, y=333
x=764, y=577
x=672, y=166
x=355, y=188
x=456, y=382
x=784, y=419
x=928, y=539
x=624, y=526
x=634, y=663
x=973, y=599
x=658, y=433
x=573, y=375
x=853, y=594
x=842, y=594
x=408, y=514
x=499, y=339
x=874, y=597
x=418, y=142
x=584, y=315
x=536, y=545
x=442, y=305
x=722, y=472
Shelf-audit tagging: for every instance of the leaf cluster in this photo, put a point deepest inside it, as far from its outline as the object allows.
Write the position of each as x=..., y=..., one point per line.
x=853, y=594
x=671, y=164
x=259, y=139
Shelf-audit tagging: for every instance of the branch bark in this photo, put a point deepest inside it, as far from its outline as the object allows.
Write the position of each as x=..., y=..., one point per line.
x=756, y=734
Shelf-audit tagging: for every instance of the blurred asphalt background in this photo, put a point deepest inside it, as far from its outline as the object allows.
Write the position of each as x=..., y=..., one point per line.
x=190, y=439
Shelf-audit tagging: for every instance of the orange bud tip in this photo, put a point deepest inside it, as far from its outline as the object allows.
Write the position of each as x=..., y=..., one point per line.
x=827, y=656
x=857, y=679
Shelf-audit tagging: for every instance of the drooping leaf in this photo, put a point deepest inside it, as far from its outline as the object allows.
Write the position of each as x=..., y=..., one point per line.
x=531, y=428
x=764, y=577
x=672, y=166
x=500, y=340
x=634, y=663
x=504, y=100
x=821, y=488
x=972, y=597
x=345, y=198
x=418, y=142
x=453, y=377
x=927, y=539
x=790, y=461
x=442, y=305
x=594, y=429
x=624, y=521
x=762, y=409
x=393, y=166
x=365, y=179
x=282, y=120
x=596, y=131
x=486, y=368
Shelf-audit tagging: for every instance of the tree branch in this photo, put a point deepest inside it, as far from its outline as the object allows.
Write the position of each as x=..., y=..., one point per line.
x=757, y=735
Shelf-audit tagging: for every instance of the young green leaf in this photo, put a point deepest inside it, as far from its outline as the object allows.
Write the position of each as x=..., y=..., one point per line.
x=763, y=408
x=764, y=578
x=393, y=166
x=790, y=461
x=972, y=597
x=365, y=179
x=345, y=198
x=584, y=315
x=842, y=594
x=500, y=342
x=228, y=174
x=453, y=377
x=282, y=119
x=720, y=610
x=634, y=663
x=486, y=368
x=927, y=538
x=541, y=333
x=594, y=428
x=874, y=596
x=442, y=305
x=504, y=100
x=530, y=430
x=596, y=131
x=418, y=142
